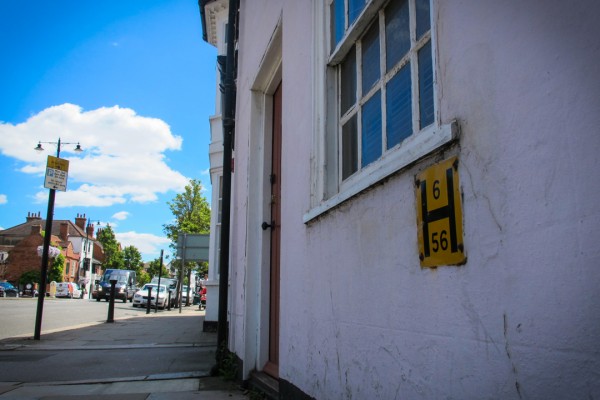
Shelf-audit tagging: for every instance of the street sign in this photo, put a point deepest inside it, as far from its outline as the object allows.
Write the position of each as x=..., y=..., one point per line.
x=193, y=247
x=439, y=215
x=57, y=170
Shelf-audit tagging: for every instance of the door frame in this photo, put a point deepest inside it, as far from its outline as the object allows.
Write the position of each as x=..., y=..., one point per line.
x=258, y=249
x=272, y=365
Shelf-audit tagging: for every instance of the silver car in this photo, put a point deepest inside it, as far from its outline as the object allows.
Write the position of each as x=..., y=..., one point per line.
x=140, y=298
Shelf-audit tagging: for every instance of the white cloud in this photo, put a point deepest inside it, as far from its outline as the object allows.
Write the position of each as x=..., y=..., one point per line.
x=149, y=245
x=121, y=216
x=3, y=199
x=123, y=159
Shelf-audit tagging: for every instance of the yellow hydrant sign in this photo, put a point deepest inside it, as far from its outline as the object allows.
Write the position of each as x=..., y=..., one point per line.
x=439, y=215
x=57, y=170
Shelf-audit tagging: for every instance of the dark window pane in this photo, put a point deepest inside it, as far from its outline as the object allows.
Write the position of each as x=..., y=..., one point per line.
x=371, y=130
x=397, y=34
x=423, y=21
x=349, y=148
x=370, y=58
x=398, y=107
x=337, y=21
x=425, y=86
x=355, y=8
x=348, y=81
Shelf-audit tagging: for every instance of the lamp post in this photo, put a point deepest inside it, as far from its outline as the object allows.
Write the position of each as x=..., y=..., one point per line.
x=47, y=236
x=89, y=257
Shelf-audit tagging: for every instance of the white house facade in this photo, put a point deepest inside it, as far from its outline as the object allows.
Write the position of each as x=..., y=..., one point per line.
x=414, y=211
x=215, y=17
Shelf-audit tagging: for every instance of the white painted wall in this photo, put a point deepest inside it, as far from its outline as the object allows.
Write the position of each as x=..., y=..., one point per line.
x=216, y=18
x=359, y=318
x=249, y=252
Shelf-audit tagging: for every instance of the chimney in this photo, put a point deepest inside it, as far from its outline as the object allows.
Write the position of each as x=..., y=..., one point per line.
x=64, y=231
x=90, y=230
x=36, y=229
x=33, y=216
x=80, y=221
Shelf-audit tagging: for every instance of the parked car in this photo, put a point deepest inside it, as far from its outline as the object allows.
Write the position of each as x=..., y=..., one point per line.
x=170, y=283
x=185, y=292
x=29, y=291
x=69, y=290
x=140, y=298
x=8, y=290
x=125, y=287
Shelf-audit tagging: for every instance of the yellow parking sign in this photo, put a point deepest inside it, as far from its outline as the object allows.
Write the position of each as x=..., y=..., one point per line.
x=58, y=163
x=439, y=215
x=57, y=171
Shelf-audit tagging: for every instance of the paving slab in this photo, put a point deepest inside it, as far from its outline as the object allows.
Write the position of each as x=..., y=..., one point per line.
x=155, y=330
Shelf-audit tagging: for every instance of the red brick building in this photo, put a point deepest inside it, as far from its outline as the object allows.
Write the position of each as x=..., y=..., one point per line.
x=21, y=243
x=24, y=257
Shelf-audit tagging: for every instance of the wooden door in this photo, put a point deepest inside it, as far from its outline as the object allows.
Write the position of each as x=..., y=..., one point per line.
x=272, y=367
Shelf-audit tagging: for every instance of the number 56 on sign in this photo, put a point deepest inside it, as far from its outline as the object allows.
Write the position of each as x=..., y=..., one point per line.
x=439, y=215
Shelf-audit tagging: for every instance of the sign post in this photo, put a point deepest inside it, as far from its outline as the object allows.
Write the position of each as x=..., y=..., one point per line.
x=57, y=171
x=191, y=247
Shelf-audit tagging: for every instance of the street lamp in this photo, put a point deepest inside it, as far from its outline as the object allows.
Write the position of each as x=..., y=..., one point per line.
x=92, y=275
x=47, y=236
x=77, y=148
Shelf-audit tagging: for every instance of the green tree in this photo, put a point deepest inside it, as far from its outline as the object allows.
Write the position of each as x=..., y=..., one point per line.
x=202, y=269
x=57, y=269
x=132, y=259
x=33, y=276
x=143, y=278
x=191, y=212
x=154, y=268
x=113, y=256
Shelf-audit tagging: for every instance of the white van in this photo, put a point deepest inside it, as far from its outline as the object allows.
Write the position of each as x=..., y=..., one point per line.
x=69, y=290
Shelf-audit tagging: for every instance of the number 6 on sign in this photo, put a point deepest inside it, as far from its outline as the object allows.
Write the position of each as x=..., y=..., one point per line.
x=439, y=215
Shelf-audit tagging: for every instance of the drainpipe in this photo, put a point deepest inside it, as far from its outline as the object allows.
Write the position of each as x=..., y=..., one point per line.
x=228, y=134
x=201, y=4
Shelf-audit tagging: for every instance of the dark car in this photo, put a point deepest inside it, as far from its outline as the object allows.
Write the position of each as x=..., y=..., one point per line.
x=30, y=291
x=125, y=286
x=8, y=290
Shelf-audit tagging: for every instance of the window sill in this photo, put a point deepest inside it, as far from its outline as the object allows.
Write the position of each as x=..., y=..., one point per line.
x=411, y=150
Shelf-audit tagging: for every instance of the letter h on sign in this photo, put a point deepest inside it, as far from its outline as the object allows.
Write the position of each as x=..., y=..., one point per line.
x=439, y=215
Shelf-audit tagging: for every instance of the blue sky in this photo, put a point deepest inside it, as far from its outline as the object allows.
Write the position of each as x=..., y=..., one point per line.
x=133, y=82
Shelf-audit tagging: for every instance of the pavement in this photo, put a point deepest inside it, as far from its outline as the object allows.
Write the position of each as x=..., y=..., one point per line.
x=124, y=333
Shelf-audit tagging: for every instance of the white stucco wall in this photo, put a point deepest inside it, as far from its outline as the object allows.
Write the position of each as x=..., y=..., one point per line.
x=359, y=317
x=248, y=276
x=216, y=19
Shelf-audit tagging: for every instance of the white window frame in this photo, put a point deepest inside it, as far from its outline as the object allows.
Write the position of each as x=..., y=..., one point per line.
x=327, y=189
